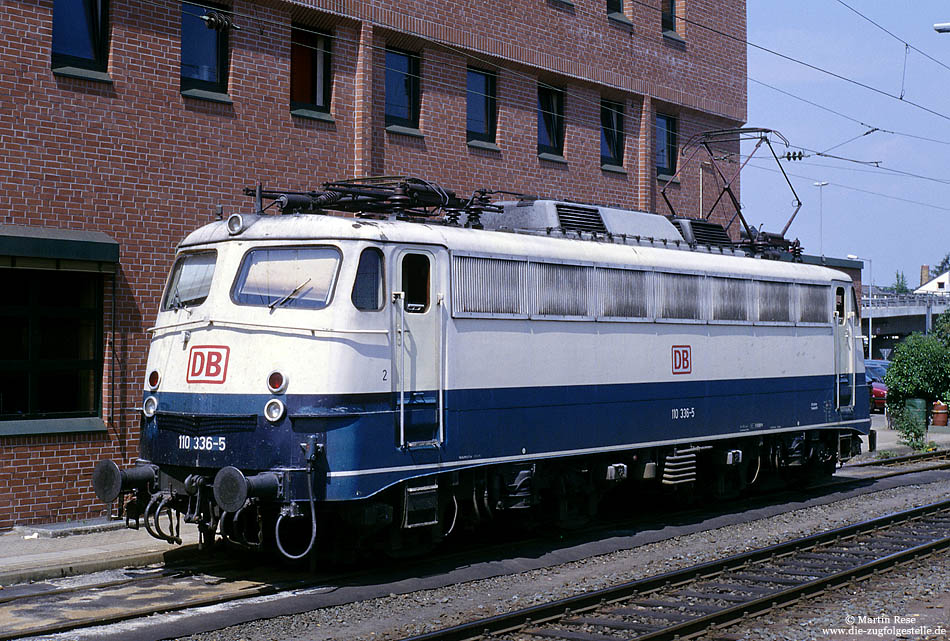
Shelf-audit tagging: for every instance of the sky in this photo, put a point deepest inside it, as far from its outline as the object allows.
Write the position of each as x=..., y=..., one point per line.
x=898, y=221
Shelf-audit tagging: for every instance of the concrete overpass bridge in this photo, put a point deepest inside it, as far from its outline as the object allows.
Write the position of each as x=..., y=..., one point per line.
x=894, y=317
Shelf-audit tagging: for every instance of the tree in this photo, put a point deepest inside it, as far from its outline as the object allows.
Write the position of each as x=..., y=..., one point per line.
x=941, y=267
x=900, y=283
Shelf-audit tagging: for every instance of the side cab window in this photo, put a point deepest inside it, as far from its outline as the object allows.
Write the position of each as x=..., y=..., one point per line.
x=368, y=287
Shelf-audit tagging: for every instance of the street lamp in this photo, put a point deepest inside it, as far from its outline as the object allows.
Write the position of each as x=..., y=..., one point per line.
x=870, y=303
x=821, y=236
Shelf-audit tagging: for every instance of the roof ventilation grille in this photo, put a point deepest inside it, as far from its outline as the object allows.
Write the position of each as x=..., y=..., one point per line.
x=702, y=232
x=575, y=218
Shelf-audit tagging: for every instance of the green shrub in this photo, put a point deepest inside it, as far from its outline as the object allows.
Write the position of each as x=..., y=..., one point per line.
x=919, y=369
x=913, y=431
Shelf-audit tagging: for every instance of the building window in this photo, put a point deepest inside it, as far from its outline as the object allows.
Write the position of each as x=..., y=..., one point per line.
x=482, y=111
x=665, y=145
x=310, y=79
x=669, y=16
x=402, y=89
x=611, y=133
x=615, y=8
x=81, y=34
x=204, y=50
x=550, y=121
x=50, y=344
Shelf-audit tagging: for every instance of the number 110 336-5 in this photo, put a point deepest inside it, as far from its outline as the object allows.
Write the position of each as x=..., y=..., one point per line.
x=202, y=443
x=678, y=413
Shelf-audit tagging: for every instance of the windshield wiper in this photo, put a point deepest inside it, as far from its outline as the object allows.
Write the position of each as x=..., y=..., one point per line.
x=177, y=303
x=296, y=290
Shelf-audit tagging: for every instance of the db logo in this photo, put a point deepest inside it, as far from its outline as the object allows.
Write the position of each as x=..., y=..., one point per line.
x=682, y=360
x=207, y=364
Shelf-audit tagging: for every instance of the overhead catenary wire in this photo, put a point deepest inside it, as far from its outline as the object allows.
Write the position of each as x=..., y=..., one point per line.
x=849, y=188
x=906, y=44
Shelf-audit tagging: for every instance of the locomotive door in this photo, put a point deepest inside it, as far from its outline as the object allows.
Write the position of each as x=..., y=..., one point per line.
x=844, y=347
x=417, y=349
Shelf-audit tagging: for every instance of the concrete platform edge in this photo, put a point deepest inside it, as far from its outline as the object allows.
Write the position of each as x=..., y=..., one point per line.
x=136, y=560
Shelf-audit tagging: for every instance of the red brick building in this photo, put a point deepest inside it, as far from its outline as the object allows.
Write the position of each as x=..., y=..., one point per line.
x=127, y=123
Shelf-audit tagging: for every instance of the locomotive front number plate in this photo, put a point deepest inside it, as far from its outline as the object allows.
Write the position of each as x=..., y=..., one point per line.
x=202, y=443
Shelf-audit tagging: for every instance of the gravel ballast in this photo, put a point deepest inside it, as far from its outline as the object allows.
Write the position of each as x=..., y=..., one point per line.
x=398, y=616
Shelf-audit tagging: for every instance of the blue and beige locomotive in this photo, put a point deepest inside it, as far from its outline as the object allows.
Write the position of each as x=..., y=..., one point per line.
x=382, y=364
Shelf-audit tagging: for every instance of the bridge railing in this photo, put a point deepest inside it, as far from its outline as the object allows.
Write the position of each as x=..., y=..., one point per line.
x=906, y=300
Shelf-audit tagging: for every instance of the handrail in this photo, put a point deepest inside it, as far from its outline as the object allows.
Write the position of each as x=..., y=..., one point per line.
x=224, y=323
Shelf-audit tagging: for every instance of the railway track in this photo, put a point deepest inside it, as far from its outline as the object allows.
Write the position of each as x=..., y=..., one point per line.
x=922, y=457
x=688, y=602
x=42, y=609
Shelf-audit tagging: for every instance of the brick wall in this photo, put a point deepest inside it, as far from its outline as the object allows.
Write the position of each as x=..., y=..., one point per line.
x=139, y=161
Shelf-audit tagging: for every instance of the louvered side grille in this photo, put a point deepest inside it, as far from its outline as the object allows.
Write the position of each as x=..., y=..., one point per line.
x=576, y=218
x=204, y=424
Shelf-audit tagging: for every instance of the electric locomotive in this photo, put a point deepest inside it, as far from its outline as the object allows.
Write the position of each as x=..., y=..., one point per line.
x=424, y=362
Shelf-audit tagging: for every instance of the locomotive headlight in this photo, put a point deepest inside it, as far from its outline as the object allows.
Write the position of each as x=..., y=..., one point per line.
x=154, y=378
x=235, y=224
x=274, y=410
x=150, y=406
x=276, y=382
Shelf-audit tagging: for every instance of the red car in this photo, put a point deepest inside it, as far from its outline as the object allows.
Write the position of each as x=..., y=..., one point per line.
x=877, y=390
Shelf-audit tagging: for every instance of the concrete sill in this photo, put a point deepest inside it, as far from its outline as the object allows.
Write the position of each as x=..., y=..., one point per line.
x=668, y=178
x=312, y=114
x=482, y=144
x=83, y=74
x=553, y=158
x=614, y=169
x=674, y=37
x=210, y=96
x=405, y=131
x=619, y=20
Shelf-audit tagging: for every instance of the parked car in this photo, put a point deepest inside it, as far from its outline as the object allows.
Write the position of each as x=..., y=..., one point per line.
x=874, y=371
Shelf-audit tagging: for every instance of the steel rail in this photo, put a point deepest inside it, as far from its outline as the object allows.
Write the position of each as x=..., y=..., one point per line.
x=561, y=609
x=900, y=460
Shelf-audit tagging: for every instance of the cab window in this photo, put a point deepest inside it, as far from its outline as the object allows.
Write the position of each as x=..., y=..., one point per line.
x=415, y=282
x=368, y=287
x=839, y=302
x=294, y=277
x=190, y=280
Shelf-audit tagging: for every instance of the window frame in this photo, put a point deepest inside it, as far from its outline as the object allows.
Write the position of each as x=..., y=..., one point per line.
x=99, y=27
x=490, y=105
x=617, y=109
x=220, y=86
x=413, y=78
x=557, y=125
x=671, y=128
x=668, y=17
x=240, y=277
x=167, y=297
x=326, y=68
x=381, y=281
x=33, y=421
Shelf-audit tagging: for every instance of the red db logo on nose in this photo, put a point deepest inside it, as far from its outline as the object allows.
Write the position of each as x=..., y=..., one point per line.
x=207, y=364
x=682, y=360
